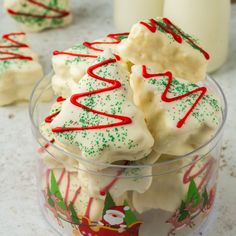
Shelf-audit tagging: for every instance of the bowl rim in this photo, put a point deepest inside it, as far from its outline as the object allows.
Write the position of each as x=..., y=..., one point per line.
x=74, y=156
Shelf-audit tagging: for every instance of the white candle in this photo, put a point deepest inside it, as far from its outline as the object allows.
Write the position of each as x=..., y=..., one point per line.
x=208, y=20
x=128, y=12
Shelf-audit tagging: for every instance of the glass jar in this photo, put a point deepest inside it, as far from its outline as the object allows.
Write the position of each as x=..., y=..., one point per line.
x=127, y=13
x=174, y=196
x=208, y=21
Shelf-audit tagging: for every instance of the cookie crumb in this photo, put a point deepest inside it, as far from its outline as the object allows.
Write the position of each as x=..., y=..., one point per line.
x=11, y=116
x=224, y=147
x=233, y=174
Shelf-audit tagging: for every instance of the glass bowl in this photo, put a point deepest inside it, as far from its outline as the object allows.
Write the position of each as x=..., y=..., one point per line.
x=174, y=196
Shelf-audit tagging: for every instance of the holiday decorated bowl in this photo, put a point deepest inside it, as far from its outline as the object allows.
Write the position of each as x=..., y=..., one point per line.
x=173, y=196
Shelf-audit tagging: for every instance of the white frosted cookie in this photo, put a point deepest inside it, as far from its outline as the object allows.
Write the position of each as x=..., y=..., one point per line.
x=180, y=115
x=117, y=181
x=100, y=120
x=71, y=65
x=67, y=195
x=51, y=156
x=159, y=43
x=166, y=191
x=69, y=203
x=177, y=181
x=70, y=192
x=37, y=15
x=19, y=68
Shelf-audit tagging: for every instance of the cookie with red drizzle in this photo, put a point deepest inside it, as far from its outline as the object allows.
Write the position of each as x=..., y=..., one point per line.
x=101, y=120
x=70, y=65
x=19, y=68
x=37, y=15
x=160, y=43
x=180, y=115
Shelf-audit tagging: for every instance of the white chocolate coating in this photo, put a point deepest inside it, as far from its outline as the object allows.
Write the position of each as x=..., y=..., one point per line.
x=17, y=76
x=126, y=179
x=171, y=181
x=71, y=65
x=52, y=157
x=166, y=191
x=160, y=50
x=75, y=190
x=71, y=183
x=162, y=117
x=40, y=14
x=106, y=145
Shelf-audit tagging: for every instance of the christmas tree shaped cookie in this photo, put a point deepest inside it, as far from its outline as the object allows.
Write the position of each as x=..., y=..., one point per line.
x=71, y=65
x=159, y=43
x=100, y=120
x=37, y=15
x=19, y=68
x=180, y=115
x=114, y=179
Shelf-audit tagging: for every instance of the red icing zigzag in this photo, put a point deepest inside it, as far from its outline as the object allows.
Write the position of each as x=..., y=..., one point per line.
x=89, y=45
x=201, y=90
x=173, y=30
x=14, y=44
x=74, y=100
x=60, y=13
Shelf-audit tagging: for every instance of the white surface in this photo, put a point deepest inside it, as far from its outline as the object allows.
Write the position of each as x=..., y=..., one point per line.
x=19, y=211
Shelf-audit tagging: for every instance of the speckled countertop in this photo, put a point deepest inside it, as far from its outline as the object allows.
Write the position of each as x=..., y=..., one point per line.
x=19, y=210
